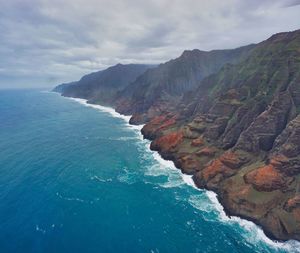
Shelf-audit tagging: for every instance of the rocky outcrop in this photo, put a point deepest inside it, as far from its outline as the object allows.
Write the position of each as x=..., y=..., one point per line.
x=267, y=178
x=207, y=151
x=60, y=88
x=167, y=143
x=197, y=142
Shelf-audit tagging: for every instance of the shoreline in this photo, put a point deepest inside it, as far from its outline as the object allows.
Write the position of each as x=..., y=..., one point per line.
x=225, y=216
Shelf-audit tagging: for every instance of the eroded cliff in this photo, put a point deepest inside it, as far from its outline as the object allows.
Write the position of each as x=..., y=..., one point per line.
x=230, y=118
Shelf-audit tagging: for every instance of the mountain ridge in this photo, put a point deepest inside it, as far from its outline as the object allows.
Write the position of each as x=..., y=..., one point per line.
x=238, y=135
x=234, y=126
x=170, y=80
x=102, y=86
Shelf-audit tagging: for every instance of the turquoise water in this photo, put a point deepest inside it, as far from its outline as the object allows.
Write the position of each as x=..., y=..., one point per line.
x=77, y=179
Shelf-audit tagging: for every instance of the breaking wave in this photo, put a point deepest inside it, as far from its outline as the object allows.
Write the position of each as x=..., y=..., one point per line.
x=251, y=232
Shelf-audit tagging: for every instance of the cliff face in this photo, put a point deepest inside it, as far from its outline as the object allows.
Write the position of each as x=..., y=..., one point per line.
x=60, y=88
x=230, y=118
x=160, y=88
x=238, y=134
x=102, y=86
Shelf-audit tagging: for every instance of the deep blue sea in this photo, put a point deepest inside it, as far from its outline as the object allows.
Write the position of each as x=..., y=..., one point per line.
x=75, y=178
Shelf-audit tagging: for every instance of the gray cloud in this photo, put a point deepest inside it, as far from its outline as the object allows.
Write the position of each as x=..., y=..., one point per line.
x=44, y=42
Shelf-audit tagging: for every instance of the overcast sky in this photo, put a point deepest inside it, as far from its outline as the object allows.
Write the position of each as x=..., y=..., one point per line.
x=46, y=42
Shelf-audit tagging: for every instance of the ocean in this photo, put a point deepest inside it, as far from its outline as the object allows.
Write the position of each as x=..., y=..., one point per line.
x=78, y=178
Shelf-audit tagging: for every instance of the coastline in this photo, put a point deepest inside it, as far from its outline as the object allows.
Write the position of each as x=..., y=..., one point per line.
x=224, y=214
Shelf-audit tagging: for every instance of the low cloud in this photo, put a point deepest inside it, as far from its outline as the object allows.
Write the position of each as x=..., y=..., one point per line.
x=44, y=42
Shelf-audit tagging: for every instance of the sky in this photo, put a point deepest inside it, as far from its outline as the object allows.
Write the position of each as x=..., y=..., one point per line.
x=47, y=42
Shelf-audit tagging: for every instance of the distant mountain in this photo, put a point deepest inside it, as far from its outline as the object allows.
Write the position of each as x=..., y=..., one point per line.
x=160, y=87
x=102, y=86
x=60, y=88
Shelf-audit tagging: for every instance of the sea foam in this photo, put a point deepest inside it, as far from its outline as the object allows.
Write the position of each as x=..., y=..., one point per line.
x=256, y=233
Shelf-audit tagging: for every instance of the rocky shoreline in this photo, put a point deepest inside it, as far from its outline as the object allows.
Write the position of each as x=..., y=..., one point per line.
x=234, y=126
x=168, y=157
x=226, y=173
x=165, y=151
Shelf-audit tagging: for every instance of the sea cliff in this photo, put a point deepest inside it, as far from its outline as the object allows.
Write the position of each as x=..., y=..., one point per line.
x=229, y=118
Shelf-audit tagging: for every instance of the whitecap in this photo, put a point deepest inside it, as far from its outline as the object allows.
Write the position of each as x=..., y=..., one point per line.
x=199, y=203
x=159, y=167
x=123, y=138
x=164, y=163
x=100, y=179
x=137, y=128
x=126, y=178
x=37, y=228
x=106, y=109
x=70, y=199
x=188, y=179
x=174, y=180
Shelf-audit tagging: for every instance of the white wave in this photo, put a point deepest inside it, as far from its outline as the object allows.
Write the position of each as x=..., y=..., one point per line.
x=123, y=138
x=154, y=170
x=174, y=180
x=162, y=167
x=113, y=113
x=71, y=199
x=50, y=227
x=106, y=109
x=168, y=168
x=188, y=180
x=199, y=203
x=37, y=228
x=100, y=179
x=128, y=178
x=257, y=233
x=164, y=163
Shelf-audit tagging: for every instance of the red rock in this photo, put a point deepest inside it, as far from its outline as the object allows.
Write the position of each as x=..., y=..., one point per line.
x=167, y=142
x=150, y=129
x=168, y=123
x=197, y=142
x=293, y=203
x=207, y=152
x=278, y=161
x=214, y=168
x=232, y=160
x=157, y=124
x=189, y=164
x=265, y=178
x=157, y=120
x=289, y=166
